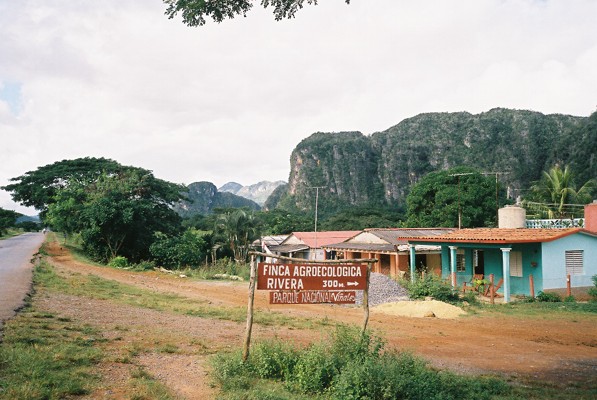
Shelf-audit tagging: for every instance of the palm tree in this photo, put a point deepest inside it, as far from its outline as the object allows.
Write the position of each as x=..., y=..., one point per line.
x=556, y=190
x=240, y=228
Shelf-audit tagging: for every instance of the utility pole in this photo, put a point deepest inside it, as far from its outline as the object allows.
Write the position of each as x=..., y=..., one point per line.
x=459, y=209
x=316, y=203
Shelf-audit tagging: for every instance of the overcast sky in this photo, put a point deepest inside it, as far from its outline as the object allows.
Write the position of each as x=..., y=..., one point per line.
x=229, y=102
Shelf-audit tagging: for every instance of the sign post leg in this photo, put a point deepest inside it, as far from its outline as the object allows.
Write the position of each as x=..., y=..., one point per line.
x=249, y=327
x=366, y=299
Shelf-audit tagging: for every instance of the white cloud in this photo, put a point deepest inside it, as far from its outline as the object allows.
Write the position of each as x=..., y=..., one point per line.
x=230, y=101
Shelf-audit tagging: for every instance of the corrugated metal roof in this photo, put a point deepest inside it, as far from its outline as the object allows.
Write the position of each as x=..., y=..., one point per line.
x=398, y=235
x=273, y=240
x=379, y=248
x=371, y=247
x=501, y=235
x=288, y=248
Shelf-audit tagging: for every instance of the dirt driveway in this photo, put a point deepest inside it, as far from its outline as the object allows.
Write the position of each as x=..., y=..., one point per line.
x=561, y=350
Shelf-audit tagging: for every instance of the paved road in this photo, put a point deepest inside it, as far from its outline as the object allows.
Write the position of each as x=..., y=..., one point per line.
x=16, y=271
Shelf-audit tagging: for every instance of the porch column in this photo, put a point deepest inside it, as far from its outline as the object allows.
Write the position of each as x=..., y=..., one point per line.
x=453, y=265
x=411, y=248
x=506, y=272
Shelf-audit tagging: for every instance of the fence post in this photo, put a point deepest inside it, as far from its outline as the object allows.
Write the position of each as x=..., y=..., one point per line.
x=249, y=327
x=568, y=288
x=532, y=285
x=366, y=299
x=491, y=288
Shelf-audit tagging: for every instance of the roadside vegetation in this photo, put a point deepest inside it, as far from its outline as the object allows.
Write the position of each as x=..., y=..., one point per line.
x=49, y=356
x=348, y=365
x=45, y=356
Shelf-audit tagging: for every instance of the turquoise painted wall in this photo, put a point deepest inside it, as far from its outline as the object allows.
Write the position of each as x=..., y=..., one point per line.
x=531, y=253
x=554, y=261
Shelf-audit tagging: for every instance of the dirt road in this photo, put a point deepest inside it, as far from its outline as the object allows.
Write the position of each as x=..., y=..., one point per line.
x=560, y=350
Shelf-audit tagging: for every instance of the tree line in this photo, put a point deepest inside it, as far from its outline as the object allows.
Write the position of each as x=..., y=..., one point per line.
x=125, y=211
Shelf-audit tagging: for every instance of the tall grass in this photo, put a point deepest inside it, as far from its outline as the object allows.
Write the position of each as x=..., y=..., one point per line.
x=346, y=366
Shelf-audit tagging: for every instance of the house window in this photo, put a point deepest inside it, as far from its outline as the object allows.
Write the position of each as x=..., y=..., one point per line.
x=516, y=263
x=460, y=265
x=574, y=262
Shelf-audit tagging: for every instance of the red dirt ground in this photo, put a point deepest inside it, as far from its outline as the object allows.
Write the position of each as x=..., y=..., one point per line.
x=561, y=350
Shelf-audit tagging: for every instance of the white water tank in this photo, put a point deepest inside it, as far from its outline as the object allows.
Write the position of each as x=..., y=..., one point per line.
x=512, y=217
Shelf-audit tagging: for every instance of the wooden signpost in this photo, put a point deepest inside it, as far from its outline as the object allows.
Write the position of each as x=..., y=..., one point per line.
x=308, y=282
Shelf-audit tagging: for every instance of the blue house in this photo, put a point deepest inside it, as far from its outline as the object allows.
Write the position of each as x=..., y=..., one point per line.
x=514, y=254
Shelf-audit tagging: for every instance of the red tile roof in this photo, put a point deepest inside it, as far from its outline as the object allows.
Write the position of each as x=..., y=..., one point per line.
x=324, y=238
x=501, y=235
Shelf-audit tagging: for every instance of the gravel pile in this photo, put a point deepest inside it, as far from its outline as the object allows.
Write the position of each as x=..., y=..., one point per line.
x=383, y=289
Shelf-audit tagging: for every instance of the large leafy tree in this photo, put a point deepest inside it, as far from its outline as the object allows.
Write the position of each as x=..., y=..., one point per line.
x=39, y=188
x=119, y=214
x=553, y=194
x=116, y=209
x=439, y=198
x=195, y=12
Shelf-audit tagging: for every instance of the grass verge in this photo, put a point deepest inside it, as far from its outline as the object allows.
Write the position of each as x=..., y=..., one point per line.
x=44, y=356
x=92, y=286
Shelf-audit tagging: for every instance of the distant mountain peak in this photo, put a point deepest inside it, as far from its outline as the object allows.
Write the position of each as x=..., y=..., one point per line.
x=258, y=192
x=230, y=187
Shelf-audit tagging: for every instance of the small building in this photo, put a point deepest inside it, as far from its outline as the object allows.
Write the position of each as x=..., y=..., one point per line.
x=390, y=247
x=266, y=243
x=514, y=254
x=309, y=245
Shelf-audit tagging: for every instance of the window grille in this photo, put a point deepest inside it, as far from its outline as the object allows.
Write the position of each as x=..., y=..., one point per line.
x=460, y=264
x=516, y=263
x=574, y=262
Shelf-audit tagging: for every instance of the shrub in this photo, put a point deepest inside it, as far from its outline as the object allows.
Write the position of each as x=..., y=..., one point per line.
x=549, y=297
x=348, y=366
x=144, y=266
x=273, y=359
x=119, y=262
x=432, y=286
x=188, y=249
x=314, y=370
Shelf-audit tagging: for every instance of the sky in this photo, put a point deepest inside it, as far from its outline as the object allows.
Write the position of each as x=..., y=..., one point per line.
x=230, y=101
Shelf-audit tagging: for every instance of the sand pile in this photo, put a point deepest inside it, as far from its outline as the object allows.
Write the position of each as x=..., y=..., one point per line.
x=419, y=308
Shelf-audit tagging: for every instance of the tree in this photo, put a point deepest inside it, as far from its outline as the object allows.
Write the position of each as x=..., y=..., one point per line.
x=195, y=12
x=39, y=188
x=117, y=213
x=439, y=198
x=363, y=217
x=238, y=228
x=8, y=219
x=281, y=222
x=187, y=250
x=551, y=196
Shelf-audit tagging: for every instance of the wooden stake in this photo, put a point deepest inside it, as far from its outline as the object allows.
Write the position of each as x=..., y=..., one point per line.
x=491, y=288
x=532, y=285
x=366, y=300
x=249, y=327
x=568, y=288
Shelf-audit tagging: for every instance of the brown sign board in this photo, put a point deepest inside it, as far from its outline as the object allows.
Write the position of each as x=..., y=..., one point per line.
x=285, y=277
x=313, y=297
